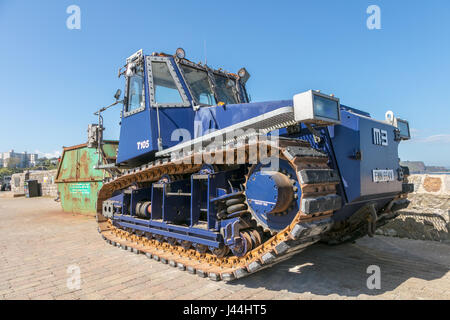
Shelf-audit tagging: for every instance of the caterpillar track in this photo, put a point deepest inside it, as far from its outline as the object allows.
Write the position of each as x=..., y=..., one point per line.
x=318, y=201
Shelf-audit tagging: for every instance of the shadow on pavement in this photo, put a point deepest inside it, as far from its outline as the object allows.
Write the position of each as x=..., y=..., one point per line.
x=342, y=270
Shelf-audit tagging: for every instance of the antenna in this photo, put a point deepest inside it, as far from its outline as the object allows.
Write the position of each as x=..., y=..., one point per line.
x=204, y=48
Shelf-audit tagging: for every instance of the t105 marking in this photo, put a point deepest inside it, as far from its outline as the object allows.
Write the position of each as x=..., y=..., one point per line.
x=143, y=144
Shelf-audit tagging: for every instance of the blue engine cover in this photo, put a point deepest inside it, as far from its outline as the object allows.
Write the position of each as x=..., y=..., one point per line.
x=208, y=118
x=358, y=153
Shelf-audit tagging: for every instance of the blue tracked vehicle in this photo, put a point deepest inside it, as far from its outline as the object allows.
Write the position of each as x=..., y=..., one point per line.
x=211, y=183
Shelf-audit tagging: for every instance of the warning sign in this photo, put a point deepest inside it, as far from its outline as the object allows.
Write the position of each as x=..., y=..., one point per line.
x=82, y=188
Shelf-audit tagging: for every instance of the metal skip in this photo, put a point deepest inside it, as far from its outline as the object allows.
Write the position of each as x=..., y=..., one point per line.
x=77, y=179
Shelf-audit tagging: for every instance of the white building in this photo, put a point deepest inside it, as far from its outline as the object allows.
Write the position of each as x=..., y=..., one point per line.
x=19, y=160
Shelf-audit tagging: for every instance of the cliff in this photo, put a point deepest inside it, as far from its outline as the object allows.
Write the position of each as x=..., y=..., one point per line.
x=420, y=167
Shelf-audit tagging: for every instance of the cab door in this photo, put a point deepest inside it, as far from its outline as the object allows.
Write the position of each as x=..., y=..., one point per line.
x=135, y=140
x=171, y=108
x=156, y=104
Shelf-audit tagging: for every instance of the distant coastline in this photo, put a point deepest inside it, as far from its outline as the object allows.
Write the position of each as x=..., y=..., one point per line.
x=419, y=167
x=446, y=172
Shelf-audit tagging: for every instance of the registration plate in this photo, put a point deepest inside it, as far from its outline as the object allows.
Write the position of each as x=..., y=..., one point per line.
x=383, y=175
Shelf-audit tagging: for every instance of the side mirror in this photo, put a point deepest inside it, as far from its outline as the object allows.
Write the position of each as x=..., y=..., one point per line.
x=118, y=93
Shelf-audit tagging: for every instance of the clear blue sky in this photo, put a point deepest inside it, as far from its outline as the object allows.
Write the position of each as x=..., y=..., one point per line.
x=54, y=78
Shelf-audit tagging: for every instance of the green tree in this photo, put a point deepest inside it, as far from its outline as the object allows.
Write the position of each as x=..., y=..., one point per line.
x=4, y=172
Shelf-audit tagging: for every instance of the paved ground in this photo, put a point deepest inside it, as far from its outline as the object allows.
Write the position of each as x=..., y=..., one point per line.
x=38, y=243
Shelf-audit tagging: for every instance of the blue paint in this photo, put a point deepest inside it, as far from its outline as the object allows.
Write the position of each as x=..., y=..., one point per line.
x=187, y=209
x=262, y=195
x=219, y=117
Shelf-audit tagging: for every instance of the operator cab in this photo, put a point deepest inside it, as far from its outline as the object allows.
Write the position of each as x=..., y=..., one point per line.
x=176, y=81
x=163, y=93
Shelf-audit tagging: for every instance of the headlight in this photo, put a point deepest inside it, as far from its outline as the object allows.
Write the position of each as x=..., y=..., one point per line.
x=403, y=132
x=326, y=108
x=318, y=108
x=403, y=128
x=243, y=75
x=131, y=69
x=180, y=53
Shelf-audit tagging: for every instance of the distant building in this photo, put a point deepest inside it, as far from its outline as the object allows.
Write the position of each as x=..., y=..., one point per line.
x=17, y=160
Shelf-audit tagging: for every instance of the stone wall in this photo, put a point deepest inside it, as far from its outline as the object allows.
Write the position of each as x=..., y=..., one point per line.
x=434, y=184
x=427, y=216
x=46, y=179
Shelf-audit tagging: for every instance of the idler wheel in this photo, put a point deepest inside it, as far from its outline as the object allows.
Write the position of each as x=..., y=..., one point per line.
x=201, y=248
x=242, y=245
x=186, y=245
x=172, y=241
x=256, y=238
x=220, y=252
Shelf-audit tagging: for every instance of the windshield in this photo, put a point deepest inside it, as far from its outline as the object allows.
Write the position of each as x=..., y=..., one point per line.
x=198, y=82
x=225, y=89
x=201, y=88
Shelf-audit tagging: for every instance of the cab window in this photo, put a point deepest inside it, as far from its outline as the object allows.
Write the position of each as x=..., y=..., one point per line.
x=225, y=88
x=166, y=91
x=198, y=82
x=136, y=91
